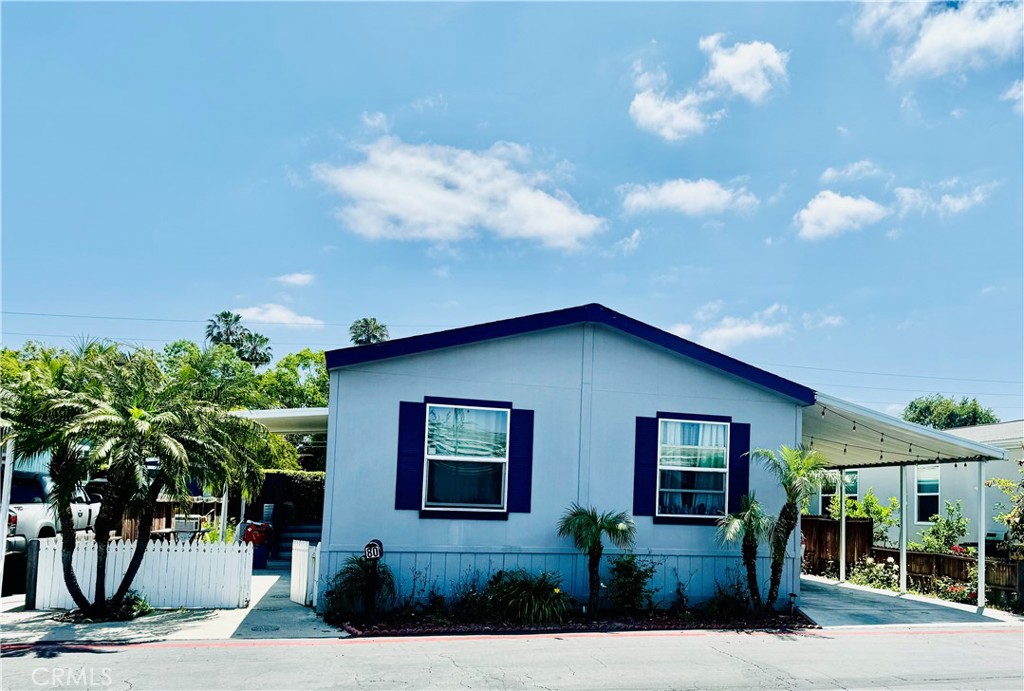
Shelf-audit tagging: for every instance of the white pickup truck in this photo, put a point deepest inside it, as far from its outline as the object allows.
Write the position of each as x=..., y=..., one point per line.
x=33, y=516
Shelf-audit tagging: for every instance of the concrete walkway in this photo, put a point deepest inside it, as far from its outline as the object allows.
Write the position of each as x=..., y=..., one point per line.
x=270, y=615
x=830, y=604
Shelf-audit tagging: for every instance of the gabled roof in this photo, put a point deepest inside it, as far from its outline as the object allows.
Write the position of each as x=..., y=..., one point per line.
x=584, y=314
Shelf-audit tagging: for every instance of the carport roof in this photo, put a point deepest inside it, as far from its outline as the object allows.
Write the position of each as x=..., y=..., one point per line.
x=290, y=420
x=852, y=436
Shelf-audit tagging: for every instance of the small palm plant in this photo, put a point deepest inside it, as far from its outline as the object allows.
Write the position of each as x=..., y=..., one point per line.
x=749, y=526
x=800, y=472
x=587, y=527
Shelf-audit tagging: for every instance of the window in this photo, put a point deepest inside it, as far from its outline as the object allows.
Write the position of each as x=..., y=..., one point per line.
x=466, y=459
x=829, y=489
x=692, y=468
x=927, y=491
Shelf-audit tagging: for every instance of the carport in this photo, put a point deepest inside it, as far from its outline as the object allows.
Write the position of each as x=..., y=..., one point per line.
x=852, y=436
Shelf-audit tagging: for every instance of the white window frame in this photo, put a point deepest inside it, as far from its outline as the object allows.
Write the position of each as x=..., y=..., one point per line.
x=466, y=459
x=822, y=494
x=725, y=470
x=937, y=494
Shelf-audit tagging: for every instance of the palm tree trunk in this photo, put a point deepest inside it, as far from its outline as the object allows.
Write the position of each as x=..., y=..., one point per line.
x=110, y=510
x=783, y=529
x=142, y=541
x=750, y=562
x=594, y=568
x=68, y=540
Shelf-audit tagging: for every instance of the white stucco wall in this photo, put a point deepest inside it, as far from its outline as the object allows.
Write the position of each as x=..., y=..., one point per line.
x=587, y=385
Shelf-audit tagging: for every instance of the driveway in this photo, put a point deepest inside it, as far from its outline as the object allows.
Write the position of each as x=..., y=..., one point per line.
x=830, y=604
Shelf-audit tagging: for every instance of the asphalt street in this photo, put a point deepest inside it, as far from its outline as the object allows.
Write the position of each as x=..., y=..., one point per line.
x=934, y=657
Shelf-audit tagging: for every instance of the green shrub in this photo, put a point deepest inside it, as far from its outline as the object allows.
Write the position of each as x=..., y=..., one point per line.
x=882, y=517
x=304, y=490
x=522, y=598
x=133, y=606
x=729, y=603
x=876, y=574
x=351, y=590
x=630, y=586
x=947, y=530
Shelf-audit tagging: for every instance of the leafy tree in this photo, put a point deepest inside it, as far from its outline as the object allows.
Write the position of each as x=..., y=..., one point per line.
x=367, y=331
x=750, y=526
x=298, y=380
x=1011, y=516
x=941, y=412
x=215, y=374
x=586, y=527
x=882, y=517
x=945, y=531
x=800, y=472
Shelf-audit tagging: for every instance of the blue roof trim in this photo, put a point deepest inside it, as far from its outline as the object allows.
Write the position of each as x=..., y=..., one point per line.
x=592, y=313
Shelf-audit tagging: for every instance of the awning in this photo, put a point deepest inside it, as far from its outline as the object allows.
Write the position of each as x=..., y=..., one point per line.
x=852, y=436
x=290, y=420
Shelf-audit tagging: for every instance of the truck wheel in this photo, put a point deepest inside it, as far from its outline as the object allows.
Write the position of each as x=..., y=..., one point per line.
x=46, y=532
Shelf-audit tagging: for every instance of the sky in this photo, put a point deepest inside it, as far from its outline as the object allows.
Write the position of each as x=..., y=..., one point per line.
x=830, y=191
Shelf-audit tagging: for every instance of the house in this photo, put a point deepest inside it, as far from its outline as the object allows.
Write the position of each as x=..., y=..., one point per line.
x=931, y=486
x=460, y=450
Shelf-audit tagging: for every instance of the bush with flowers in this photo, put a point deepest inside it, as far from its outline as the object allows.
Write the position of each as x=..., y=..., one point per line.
x=884, y=574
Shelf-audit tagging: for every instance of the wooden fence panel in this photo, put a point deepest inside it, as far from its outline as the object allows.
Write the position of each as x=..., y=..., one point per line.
x=924, y=567
x=173, y=574
x=821, y=541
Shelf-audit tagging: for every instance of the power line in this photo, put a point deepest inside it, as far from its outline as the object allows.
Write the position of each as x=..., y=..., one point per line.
x=888, y=374
x=203, y=321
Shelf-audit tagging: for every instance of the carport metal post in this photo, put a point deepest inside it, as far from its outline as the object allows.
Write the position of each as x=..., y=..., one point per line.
x=842, y=525
x=982, y=532
x=5, y=501
x=903, y=528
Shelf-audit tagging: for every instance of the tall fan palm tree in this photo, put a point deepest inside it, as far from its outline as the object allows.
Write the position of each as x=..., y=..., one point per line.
x=254, y=348
x=800, y=472
x=225, y=327
x=587, y=527
x=750, y=526
x=367, y=331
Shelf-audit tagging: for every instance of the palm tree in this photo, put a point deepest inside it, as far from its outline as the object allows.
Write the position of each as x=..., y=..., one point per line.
x=143, y=415
x=254, y=348
x=800, y=472
x=225, y=327
x=586, y=527
x=367, y=331
x=750, y=526
x=40, y=408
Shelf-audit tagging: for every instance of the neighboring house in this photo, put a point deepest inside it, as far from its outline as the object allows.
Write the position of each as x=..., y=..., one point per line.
x=460, y=450
x=929, y=487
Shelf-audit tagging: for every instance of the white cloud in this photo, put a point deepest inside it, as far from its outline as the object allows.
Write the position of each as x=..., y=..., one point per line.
x=918, y=200
x=843, y=130
x=731, y=331
x=377, y=121
x=957, y=113
x=445, y=194
x=1015, y=95
x=302, y=278
x=277, y=314
x=708, y=310
x=822, y=320
x=672, y=118
x=936, y=39
x=689, y=197
x=853, y=171
x=750, y=70
x=830, y=214
x=437, y=101
x=627, y=245
x=442, y=271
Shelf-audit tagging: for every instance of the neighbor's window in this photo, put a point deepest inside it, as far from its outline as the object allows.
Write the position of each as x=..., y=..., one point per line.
x=829, y=488
x=927, y=486
x=692, y=467
x=466, y=458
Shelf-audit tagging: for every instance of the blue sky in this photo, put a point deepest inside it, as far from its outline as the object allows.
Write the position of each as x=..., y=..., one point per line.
x=830, y=191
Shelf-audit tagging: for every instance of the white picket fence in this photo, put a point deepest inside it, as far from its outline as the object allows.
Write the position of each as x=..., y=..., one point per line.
x=193, y=575
x=305, y=581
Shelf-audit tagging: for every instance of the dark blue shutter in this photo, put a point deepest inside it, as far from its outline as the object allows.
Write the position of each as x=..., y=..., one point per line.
x=520, y=461
x=739, y=464
x=645, y=466
x=412, y=428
